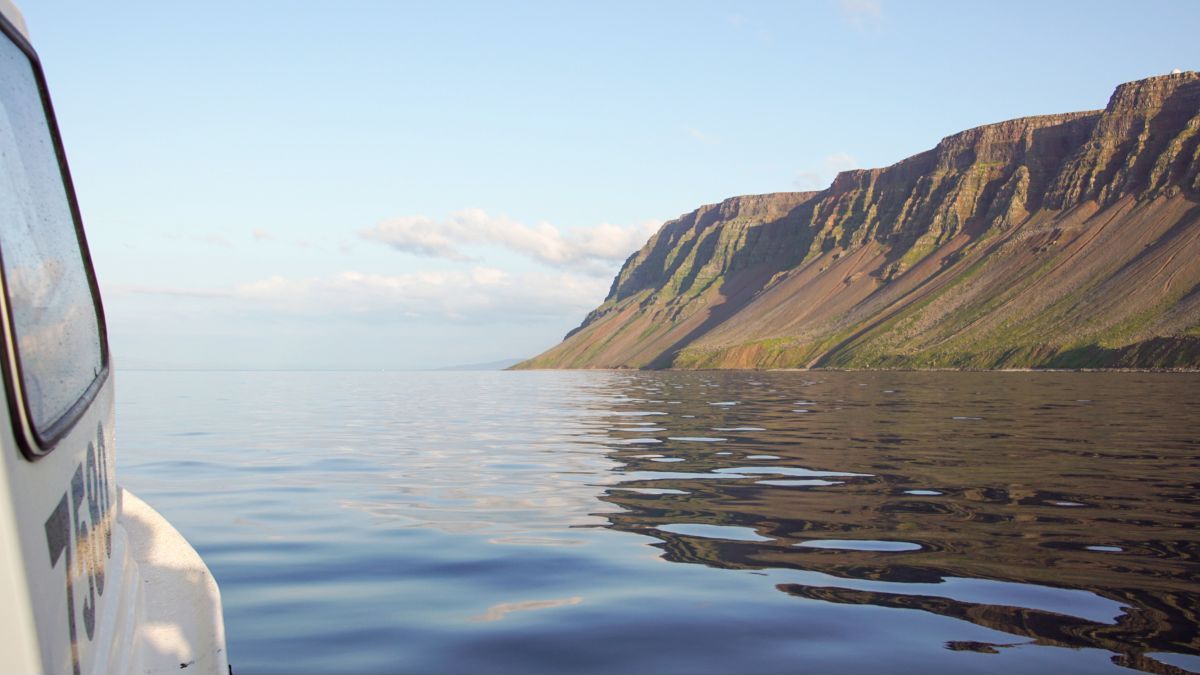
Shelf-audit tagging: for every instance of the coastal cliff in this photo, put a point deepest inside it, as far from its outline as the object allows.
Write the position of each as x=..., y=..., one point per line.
x=1068, y=240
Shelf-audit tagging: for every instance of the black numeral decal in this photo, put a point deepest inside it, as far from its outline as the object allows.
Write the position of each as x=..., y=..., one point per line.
x=105, y=493
x=97, y=512
x=58, y=538
x=85, y=544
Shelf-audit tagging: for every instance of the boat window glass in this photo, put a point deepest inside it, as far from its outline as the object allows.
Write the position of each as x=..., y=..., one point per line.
x=53, y=313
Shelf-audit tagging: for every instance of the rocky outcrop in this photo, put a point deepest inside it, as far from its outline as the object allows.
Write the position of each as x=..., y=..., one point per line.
x=1056, y=240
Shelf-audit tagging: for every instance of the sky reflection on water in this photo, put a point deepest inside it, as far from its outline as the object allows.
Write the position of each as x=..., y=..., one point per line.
x=504, y=522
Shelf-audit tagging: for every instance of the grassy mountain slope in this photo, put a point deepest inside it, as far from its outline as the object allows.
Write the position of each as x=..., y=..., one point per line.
x=1066, y=240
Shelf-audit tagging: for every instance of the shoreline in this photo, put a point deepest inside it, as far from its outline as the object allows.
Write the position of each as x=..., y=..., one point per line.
x=869, y=370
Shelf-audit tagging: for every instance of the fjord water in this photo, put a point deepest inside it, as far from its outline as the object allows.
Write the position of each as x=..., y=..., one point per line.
x=683, y=522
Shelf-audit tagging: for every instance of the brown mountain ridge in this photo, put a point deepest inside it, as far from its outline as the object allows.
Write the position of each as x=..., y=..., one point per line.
x=1056, y=241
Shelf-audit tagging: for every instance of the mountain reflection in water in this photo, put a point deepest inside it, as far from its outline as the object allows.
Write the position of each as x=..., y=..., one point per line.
x=1032, y=481
x=531, y=522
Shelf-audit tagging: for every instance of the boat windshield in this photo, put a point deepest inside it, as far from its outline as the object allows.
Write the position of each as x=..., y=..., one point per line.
x=54, y=315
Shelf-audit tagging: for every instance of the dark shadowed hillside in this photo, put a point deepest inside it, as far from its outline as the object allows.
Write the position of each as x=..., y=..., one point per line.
x=1067, y=240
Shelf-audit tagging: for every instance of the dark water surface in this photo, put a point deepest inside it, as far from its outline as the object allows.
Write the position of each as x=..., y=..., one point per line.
x=606, y=522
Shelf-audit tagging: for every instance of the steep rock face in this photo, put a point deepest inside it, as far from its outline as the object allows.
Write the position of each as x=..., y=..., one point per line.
x=1144, y=144
x=701, y=241
x=1059, y=240
x=688, y=254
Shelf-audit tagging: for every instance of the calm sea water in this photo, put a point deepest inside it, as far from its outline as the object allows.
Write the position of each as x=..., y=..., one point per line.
x=608, y=522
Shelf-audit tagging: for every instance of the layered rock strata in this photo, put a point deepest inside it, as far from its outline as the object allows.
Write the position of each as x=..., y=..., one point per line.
x=1068, y=240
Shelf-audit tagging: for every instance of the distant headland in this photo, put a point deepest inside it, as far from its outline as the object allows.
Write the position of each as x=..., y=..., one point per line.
x=1056, y=241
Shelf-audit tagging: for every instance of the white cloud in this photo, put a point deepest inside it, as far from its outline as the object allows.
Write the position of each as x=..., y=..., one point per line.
x=421, y=235
x=264, y=235
x=130, y=289
x=479, y=295
x=702, y=137
x=862, y=14
x=819, y=177
x=746, y=26
x=482, y=294
x=207, y=238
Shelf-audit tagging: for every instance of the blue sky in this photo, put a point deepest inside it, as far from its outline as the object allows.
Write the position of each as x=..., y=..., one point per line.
x=388, y=185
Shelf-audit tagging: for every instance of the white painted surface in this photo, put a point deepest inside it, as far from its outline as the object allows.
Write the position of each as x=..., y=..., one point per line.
x=182, y=630
x=117, y=648
x=19, y=651
x=14, y=17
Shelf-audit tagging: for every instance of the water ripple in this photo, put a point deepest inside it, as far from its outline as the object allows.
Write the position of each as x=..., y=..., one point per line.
x=515, y=522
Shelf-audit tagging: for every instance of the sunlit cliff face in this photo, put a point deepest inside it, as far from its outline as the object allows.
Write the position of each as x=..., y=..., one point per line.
x=1050, y=241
